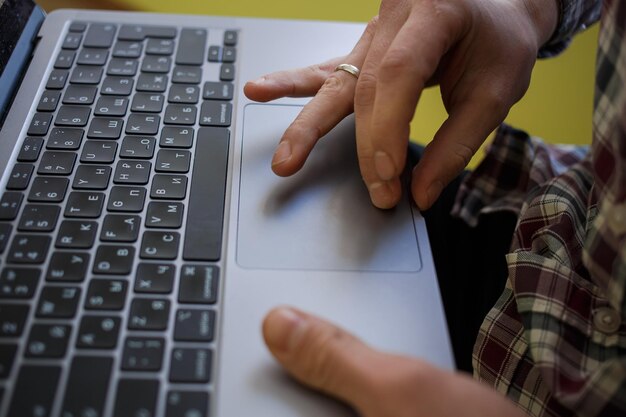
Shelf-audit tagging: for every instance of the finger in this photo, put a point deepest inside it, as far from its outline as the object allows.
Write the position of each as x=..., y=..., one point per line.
x=332, y=103
x=321, y=355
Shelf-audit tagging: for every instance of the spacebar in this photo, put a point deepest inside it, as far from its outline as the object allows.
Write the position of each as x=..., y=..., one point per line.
x=205, y=215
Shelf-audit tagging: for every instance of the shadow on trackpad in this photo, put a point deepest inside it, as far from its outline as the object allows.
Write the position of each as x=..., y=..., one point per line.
x=320, y=218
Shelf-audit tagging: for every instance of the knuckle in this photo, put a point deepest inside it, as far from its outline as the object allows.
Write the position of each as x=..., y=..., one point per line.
x=365, y=91
x=333, y=86
x=461, y=156
x=395, y=62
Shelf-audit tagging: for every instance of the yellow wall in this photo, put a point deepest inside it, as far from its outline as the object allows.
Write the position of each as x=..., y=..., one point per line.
x=557, y=107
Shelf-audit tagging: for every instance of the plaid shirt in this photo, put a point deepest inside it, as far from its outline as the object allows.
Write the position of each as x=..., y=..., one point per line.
x=555, y=342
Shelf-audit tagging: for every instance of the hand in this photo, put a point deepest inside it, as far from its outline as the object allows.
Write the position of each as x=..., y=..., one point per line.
x=376, y=384
x=481, y=53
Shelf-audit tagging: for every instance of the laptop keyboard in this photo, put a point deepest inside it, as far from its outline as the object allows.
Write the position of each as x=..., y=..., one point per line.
x=111, y=227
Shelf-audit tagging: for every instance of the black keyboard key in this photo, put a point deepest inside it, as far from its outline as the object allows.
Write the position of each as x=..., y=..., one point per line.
x=120, y=228
x=83, y=74
x=47, y=341
x=138, y=147
x=169, y=187
x=142, y=124
x=72, y=41
x=187, y=403
x=156, y=64
x=164, y=215
x=176, y=137
x=7, y=357
x=180, y=114
x=39, y=218
x=132, y=172
x=186, y=74
x=216, y=113
x=40, y=124
x=98, y=152
x=159, y=245
x=214, y=90
x=127, y=49
x=12, y=319
x=57, y=79
x=49, y=100
x=193, y=325
x=111, y=106
x=5, y=234
x=229, y=54
x=65, y=138
x=84, y=205
x=29, y=152
x=69, y=115
x=58, y=302
x=189, y=94
x=76, y=234
x=17, y=283
x=190, y=365
x=98, y=332
x=92, y=177
x=79, y=94
x=160, y=47
x=92, y=56
x=136, y=397
x=152, y=83
x=105, y=128
x=93, y=372
x=114, y=260
x=155, y=278
x=215, y=53
x=147, y=103
x=191, y=47
x=126, y=199
x=143, y=354
x=65, y=59
x=123, y=67
x=139, y=33
x=230, y=38
x=105, y=294
x=100, y=35
x=10, y=205
x=67, y=267
x=78, y=27
x=149, y=314
x=173, y=161
x=29, y=249
x=34, y=391
x=56, y=163
x=227, y=72
x=198, y=284
x=20, y=176
x=48, y=189
x=203, y=238
x=117, y=86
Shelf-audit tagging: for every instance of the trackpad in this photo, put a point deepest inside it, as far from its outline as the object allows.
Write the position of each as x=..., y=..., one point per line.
x=320, y=218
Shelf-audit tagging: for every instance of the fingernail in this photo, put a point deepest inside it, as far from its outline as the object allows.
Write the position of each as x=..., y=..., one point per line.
x=379, y=194
x=260, y=80
x=283, y=329
x=384, y=166
x=281, y=154
x=433, y=192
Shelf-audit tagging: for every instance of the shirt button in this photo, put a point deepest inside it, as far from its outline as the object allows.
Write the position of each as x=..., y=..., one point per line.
x=606, y=320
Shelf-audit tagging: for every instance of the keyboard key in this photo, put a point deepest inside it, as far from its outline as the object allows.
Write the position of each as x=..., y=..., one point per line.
x=187, y=403
x=147, y=103
x=149, y=314
x=215, y=113
x=189, y=94
x=214, y=90
x=117, y=86
x=65, y=138
x=78, y=27
x=164, y=215
x=229, y=54
x=132, y=172
x=187, y=74
x=190, y=365
x=123, y=67
x=215, y=53
x=92, y=177
x=105, y=294
x=10, y=205
x=58, y=302
x=29, y=249
x=47, y=341
x=48, y=189
x=173, y=161
x=100, y=35
x=65, y=59
x=142, y=124
x=142, y=354
x=79, y=94
x=156, y=64
x=7, y=357
x=105, y=128
x=84, y=205
x=68, y=115
x=87, y=371
x=120, y=228
x=176, y=137
x=198, y=284
x=138, y=147
x=98, y=152
x=72, y=41
x=18, y=283
x=136, y=397
x=76, y=234
x=127, y=49
x=230, y=38
x=34, y=391
x=193, y=325
x=12, y=318
x=155, y=278
x=111, y=106
x=114, y=260
x=56, y=163
x=67, y=267
x=191, y=47
x=57, y=79
x=227, y=72
x=139, y=33
x=29, y=152
x=49, y=100
x=83, y=74
x=20, y=176
x=203, y=238
x=40, y=124
x=159, y=245
x=39, y=218
x=92, y=56
x=179, y=114
x=98, y=332
x=155, y=83
x=160, y=47
x=5, y=234
x=126, y=199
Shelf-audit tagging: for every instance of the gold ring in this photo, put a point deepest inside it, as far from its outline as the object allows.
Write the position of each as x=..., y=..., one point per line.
x=349, y=68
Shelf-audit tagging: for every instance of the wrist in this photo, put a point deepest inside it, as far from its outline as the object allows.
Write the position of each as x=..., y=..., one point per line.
x=544, y=15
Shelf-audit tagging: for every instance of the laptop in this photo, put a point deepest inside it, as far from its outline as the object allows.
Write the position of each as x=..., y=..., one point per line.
x=143, y=236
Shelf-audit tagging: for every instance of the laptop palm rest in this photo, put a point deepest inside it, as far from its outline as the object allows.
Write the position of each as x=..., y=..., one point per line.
x=320, y=218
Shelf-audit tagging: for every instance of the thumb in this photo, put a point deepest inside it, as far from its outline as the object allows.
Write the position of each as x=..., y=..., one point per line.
x=321, y=355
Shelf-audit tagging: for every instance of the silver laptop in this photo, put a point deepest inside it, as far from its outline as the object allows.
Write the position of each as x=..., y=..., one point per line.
x=143, y=236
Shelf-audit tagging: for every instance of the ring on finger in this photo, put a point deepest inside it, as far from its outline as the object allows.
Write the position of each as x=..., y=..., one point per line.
x=349, y=68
